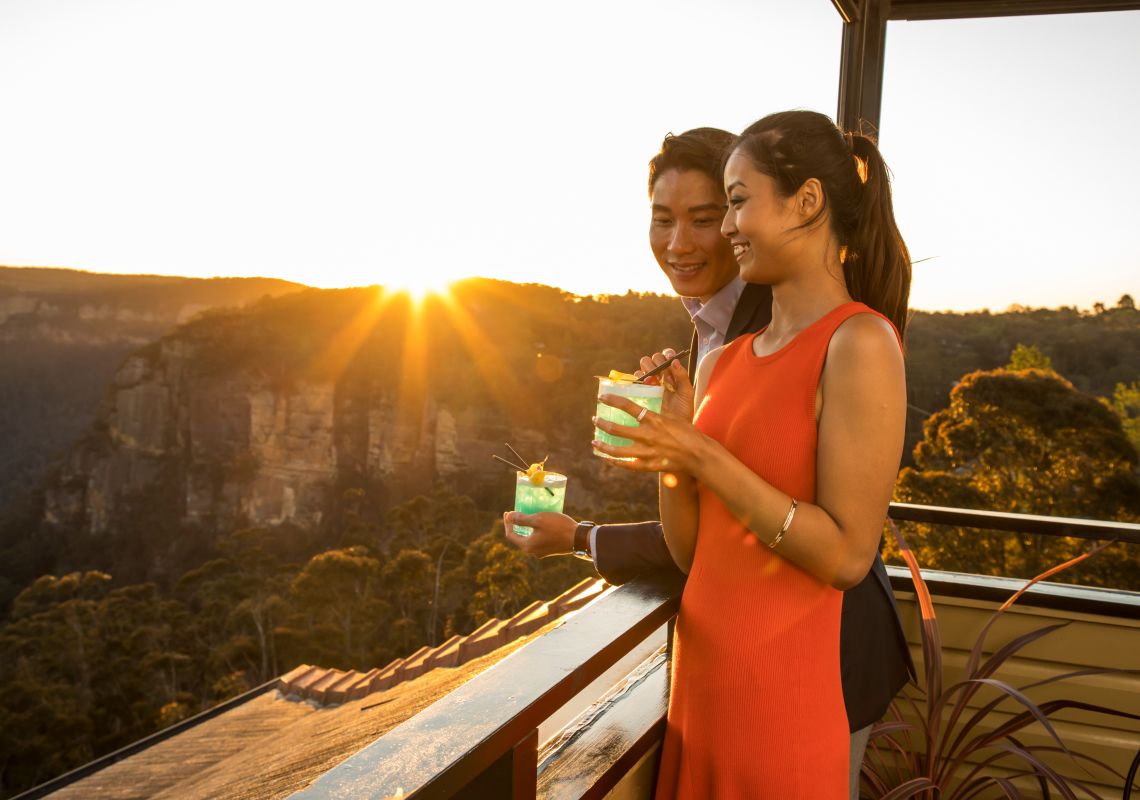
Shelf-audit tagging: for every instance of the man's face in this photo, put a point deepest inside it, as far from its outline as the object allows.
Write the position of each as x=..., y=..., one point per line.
x=685, y=233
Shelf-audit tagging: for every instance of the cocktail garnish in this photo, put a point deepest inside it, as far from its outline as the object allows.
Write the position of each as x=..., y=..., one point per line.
x=535, y=473
x=510, y=464
x=515, y=453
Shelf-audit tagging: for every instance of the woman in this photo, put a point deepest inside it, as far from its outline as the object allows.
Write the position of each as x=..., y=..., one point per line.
x=773, y=496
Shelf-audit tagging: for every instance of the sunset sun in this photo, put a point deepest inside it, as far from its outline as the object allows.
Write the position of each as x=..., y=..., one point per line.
x=419, y=285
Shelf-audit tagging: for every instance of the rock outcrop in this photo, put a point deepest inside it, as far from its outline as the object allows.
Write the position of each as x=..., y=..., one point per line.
x=236, y=446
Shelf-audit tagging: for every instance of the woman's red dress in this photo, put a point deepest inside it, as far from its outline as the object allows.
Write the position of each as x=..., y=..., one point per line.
x=756, y=706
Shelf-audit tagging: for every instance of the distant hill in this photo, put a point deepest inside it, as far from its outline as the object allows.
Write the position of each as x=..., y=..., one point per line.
x=64, y=332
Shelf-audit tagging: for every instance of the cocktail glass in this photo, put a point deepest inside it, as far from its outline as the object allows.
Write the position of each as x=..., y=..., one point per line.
x=645, y=395
x=531, y=499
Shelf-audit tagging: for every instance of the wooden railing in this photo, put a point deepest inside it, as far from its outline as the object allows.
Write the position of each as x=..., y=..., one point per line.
x=482, y=739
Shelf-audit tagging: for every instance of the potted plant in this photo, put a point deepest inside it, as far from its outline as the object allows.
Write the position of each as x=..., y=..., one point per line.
x=942, y=751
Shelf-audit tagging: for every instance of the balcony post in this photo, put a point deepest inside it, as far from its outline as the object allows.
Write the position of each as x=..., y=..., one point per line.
x=513, y=775
x=861, y=63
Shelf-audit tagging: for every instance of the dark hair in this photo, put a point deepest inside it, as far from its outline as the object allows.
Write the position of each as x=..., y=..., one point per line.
x=793, y=146
x=701, y=149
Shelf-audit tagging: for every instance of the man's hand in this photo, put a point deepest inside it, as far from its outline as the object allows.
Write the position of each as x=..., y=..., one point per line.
x=553, y=533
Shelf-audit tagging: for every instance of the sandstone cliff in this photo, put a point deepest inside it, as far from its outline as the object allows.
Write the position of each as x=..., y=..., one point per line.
x=63, y=333
x=237, y=446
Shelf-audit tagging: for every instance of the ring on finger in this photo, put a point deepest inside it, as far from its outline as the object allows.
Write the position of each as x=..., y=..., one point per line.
x=641, y=414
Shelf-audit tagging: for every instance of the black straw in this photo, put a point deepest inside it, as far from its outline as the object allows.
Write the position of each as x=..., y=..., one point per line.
x=661, y=367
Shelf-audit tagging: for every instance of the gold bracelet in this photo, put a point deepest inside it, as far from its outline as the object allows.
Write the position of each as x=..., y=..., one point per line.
x=787, y=524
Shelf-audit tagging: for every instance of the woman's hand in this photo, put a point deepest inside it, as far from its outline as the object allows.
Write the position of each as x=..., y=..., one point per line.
x=662, y=442
x=678, y=399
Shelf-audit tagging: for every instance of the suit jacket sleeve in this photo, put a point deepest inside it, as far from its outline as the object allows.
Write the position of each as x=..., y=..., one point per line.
x=622, y=552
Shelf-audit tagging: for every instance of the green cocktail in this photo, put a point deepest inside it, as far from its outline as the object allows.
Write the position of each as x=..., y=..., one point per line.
x=530, y=499
x=645, y=395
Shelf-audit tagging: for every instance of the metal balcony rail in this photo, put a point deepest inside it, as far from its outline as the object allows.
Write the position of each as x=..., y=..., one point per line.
x=481, y=740
x=1016, y=523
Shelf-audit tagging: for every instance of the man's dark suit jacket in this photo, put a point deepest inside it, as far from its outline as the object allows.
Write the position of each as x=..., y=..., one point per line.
x=873, y=654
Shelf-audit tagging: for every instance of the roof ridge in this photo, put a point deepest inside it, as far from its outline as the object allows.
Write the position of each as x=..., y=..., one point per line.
x=330, y=686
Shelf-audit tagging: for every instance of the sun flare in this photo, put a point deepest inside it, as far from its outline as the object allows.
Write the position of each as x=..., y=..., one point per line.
x=419, y=285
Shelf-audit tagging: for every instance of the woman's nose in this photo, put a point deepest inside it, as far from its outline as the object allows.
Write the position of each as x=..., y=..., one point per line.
x=727, y=226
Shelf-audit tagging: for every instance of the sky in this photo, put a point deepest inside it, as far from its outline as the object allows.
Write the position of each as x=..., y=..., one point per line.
x=352, y=142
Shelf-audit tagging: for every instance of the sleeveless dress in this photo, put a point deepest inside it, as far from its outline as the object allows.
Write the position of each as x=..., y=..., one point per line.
x=756, y=704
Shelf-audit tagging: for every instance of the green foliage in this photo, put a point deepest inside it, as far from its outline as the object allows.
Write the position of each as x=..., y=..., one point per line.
x=1095, y=351
x=502, y=579
x=336, y=594
x=1025, y=442
x=1029, y=357
x=86, y=669
x=1126, y=404
x=237, y=604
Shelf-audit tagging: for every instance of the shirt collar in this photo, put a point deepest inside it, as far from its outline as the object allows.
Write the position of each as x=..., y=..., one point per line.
x=717, y=312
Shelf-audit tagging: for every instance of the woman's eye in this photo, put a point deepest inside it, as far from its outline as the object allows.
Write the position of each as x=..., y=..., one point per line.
x=736, y=202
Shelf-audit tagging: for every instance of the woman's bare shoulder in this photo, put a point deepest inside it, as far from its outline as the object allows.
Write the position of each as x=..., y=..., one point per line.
x=864, y=336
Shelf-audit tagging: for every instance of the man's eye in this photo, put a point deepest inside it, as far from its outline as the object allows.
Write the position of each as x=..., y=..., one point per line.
x=662, y=221
x=704, y=222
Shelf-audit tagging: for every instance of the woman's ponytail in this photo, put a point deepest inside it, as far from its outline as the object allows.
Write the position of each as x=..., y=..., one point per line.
x=877, y=264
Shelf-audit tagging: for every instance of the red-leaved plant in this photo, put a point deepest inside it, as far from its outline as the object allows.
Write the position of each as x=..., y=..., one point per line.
x=949, y=760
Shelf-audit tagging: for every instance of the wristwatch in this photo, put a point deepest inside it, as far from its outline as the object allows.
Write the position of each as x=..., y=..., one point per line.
x=582, y=539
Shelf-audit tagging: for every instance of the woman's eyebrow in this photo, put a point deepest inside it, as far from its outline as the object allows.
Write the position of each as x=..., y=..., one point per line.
x=733, y=185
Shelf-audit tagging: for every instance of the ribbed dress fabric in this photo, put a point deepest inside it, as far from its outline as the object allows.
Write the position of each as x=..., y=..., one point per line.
x=756, y=705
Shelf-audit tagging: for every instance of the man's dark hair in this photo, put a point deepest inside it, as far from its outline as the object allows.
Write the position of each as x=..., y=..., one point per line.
x=702, y=149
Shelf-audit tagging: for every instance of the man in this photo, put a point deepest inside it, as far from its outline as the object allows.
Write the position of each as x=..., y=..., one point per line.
x=688, y=204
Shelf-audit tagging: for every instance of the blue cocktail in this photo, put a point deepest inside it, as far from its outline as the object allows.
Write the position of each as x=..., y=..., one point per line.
x=548, y=494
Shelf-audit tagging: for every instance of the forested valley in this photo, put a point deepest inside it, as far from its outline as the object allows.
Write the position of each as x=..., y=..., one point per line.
x=172, y=557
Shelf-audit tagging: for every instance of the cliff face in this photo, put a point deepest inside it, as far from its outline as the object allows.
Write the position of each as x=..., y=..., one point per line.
x=238, y=447
x=64, y=333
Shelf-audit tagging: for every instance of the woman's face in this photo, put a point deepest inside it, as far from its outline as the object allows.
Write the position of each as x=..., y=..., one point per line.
x=685, y=233
x=759, y=221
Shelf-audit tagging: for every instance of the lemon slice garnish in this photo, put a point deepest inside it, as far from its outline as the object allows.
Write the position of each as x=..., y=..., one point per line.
x=621, y=376
x=536, y=474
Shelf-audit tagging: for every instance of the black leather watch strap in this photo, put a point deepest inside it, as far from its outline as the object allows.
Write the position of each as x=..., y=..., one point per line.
x=582, y=539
